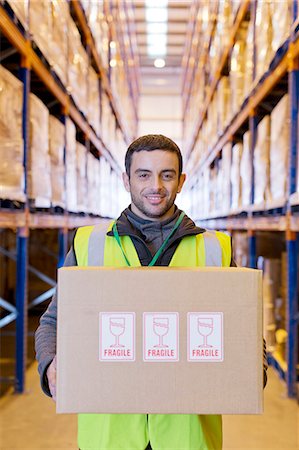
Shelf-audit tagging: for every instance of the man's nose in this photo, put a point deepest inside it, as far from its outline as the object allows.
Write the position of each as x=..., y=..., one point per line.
x=156, y=182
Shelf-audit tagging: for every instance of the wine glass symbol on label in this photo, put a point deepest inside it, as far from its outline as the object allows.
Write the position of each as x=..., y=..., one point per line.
x=117, y=328
x=205, y=327
x=161, y=328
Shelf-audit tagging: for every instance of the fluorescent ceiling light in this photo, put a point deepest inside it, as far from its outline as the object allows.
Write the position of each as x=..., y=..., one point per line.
x=156, y=14
x=159, y=63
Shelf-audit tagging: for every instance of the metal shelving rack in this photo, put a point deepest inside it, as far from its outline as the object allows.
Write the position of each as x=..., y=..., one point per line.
x=283, y=217
x=22, y=220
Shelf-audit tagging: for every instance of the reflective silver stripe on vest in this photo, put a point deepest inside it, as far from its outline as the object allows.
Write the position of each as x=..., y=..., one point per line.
x=96, y=244
x=212, y=249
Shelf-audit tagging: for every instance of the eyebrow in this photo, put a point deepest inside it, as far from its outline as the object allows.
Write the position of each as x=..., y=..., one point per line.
x=149, y=171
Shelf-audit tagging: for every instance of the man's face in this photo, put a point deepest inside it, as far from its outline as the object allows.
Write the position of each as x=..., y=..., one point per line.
x=154, y=183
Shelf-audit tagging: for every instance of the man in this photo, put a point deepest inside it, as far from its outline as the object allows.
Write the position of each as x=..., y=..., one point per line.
x=152, y=231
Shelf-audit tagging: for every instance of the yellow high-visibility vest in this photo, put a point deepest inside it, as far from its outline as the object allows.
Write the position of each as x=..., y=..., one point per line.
x=164, y=431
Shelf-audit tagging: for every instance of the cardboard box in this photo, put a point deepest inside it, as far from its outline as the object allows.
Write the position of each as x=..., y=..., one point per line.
x=130, y=340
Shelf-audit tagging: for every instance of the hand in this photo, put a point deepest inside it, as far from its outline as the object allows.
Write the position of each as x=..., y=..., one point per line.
x=51, y=375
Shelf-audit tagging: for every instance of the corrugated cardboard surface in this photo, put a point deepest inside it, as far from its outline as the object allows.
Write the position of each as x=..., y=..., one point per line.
x=86, y=384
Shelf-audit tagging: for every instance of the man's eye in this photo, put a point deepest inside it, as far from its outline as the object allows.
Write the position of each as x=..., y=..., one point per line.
x=143, y=175
x=167, y=176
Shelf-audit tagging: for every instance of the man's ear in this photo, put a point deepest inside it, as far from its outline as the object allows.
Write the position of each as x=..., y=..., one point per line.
x=181, y=182
x=126, y=181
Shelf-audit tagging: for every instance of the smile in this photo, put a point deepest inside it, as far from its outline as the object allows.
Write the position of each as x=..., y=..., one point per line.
x=154, y=199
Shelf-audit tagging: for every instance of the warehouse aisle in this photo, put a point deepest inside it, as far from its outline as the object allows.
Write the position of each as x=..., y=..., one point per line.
x=30, y=422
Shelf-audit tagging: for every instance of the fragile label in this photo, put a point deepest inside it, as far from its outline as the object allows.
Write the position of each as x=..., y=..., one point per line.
x=205, y=337
x=117, y=336
x=160, y=337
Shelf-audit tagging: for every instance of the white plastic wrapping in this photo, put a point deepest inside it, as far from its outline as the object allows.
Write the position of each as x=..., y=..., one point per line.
x=56, y=150
x=49, y=28
x=223, y=105
x=70, y=167
x=77, y=67
x=11, y=169
x=235, y=176
x=39, y=166
x=236, y=75
x=281, y=14
x=92, y=164
x=93, y=112
x=279, y=150
x=263, y=36
x=246, y=171
x=248, y=75
x=20, y=8
x=60, y=14
x=11, y=142
x=81, y=164
x=40, y=25
x=225, y=183
x=261, y=163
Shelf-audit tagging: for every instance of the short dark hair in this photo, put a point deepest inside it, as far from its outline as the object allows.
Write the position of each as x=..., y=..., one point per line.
x=151, y=142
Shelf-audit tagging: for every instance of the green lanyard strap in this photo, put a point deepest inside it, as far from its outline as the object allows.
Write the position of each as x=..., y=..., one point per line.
x=159, y=251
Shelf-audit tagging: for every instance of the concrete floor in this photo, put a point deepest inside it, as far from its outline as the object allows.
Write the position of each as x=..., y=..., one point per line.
x=29, y=421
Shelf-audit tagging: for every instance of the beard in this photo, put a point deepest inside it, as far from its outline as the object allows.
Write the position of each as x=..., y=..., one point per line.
x=152, y=211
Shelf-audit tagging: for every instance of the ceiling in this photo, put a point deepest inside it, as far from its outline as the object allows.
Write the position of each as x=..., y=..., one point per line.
x=168, y=78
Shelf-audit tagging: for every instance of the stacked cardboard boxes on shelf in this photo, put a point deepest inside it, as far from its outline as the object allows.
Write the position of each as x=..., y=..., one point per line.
x=56, y=150
x=12, y=146
x=261, y=162
x=39, y=166
x=279, y=151
x=81, y=168
x=246, y=172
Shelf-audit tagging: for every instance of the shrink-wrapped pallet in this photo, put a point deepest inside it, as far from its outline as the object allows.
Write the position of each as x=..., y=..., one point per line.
x=246, y=171
x=248, y=75
x=93, y=112
x=60, y=15
x=271, y=294
x=39, y=166
x=281, y=15
x=236, y=75
x=212, y=189
x=222, y=33
x=105, y=187
x=279, y=150
x=20, y=8
x=240, y=247
x=91, y=183
x=105, y=117
x=235, y=176
x=70, y=167
x=263, y=37
x=225, y=184
x=56, y=150
x=77, y=67
x=280, y=303
x=206, y=193
x=81, y=164
x=261, y=162
x=40, y=20
x=11, y=141
x=223, y=106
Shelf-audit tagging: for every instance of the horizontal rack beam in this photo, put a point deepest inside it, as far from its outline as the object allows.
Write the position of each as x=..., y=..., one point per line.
x=22, y=219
